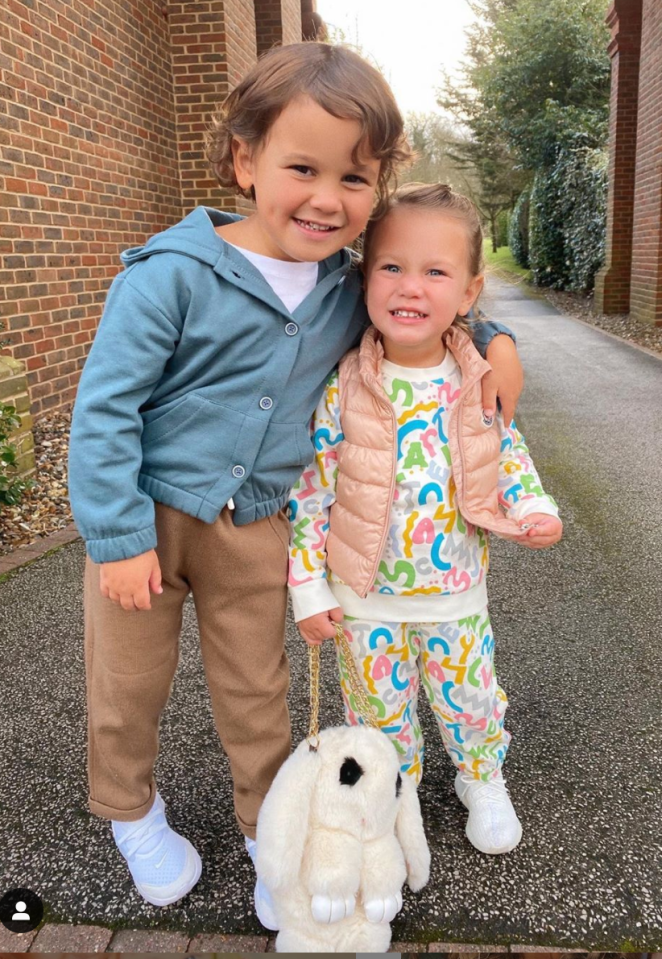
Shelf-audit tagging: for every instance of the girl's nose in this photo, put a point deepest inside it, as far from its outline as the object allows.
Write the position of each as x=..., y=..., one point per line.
x=409, y=285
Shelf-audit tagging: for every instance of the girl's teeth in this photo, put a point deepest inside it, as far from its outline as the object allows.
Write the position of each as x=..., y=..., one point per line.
x=407, y=313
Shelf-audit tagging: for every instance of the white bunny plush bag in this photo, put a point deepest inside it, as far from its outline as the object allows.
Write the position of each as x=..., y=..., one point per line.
x=337, y=836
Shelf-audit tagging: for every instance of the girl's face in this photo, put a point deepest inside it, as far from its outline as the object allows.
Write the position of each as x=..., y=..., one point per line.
x=312, y=198
x=418, y=279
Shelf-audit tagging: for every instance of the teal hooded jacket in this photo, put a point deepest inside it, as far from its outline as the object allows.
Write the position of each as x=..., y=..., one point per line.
x=200, y=386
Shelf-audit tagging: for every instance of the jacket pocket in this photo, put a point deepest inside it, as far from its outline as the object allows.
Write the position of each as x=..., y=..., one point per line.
x=193, y=445
x=177, y=416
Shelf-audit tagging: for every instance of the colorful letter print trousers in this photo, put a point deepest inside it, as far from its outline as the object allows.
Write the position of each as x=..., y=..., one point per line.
x=455, y=663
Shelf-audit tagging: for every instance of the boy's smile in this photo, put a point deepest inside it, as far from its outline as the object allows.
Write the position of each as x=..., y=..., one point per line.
x=417, y=281
x=312, y=197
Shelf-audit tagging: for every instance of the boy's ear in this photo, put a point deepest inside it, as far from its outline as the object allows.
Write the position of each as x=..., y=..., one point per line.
x=242, y=156
x=471, y=294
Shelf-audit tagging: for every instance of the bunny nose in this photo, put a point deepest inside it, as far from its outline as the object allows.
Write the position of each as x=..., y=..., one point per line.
x=350, y=772
x=398, y=785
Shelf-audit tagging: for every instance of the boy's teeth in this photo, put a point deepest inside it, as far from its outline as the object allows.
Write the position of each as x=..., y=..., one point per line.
x=315, y=226
x=406, y=313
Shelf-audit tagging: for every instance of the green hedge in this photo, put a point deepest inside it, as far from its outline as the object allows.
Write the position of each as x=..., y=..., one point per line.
x=567, y=220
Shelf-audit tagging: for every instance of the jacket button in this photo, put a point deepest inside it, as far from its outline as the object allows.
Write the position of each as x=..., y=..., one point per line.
x=238, y=471
x=291, y=329
x=266, y=403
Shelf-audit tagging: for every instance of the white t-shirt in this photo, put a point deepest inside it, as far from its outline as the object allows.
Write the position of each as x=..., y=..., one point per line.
x=290, y=281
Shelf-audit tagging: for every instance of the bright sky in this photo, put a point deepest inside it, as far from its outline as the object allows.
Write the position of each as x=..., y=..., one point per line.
x=409, y=39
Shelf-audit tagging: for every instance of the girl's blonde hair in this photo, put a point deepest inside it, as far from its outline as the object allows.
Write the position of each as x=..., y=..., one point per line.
x=441, y=198
x=338, y=80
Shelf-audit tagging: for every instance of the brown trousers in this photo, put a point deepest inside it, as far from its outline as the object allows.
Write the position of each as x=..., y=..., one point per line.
x=238, y=576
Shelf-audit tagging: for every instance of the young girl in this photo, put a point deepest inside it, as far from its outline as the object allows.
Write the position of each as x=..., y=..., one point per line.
x=388, y=526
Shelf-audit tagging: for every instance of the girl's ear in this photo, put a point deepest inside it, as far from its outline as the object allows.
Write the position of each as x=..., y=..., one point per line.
x=242, y=156
x=471, y=294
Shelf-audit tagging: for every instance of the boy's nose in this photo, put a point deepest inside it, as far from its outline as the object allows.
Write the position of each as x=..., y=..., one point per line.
x=326, y=202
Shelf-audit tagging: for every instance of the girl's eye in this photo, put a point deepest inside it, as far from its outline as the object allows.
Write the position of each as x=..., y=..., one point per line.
x=301, y=169
x=355, y=178
x=390, y=268
x=436, y=273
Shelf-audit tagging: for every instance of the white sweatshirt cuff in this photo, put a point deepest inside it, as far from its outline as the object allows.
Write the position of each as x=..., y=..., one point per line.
x=527, y=506
x=311, y=598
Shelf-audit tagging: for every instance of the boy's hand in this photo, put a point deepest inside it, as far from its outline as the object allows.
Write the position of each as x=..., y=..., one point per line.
x=315, y=629
x=506, y=379
x=129, y=581
x=543, y=531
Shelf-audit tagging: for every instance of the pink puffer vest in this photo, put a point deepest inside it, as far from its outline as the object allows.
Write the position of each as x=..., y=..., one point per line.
x=367, y=459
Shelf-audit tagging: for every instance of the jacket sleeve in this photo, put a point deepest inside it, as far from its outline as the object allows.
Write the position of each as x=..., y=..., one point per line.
x=485, y=330
x=311, y=499
x=134, y=341
x=520, y=489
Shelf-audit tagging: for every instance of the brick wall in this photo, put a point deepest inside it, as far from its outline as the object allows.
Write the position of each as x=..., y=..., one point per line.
x=88, y=167
x=612, y=284
x=213, y=46
x=646, y=294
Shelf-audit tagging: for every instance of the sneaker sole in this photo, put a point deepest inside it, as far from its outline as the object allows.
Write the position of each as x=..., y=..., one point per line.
x=189, y=880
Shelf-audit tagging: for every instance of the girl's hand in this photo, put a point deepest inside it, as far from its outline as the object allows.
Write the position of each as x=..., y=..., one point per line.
x=544, y=531
x=506, y=379
x=315, y=629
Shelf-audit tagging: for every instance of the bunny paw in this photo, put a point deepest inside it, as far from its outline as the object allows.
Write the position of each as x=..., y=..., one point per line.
x=327, y=910
x=383, y=910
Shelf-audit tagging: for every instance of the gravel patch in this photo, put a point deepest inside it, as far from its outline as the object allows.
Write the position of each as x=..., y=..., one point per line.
x=620, y=324
x=44, y=508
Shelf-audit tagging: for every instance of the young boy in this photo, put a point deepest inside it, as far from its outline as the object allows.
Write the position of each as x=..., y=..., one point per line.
x=191, y=426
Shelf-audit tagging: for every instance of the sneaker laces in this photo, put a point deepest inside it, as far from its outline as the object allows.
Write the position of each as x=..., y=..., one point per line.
x=485, y=790
x=131, y=844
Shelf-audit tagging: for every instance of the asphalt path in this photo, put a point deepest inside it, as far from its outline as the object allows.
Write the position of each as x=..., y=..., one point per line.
x=579, y=652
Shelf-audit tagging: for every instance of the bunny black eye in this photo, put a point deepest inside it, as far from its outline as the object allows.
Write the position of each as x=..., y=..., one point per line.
x=350, y=772
x=398, y=785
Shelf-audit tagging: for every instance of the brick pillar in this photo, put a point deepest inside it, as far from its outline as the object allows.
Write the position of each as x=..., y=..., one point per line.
x=277, y=22
x=312, y=25
x=213, y=46
x=646, y=295
x=14, y=392
x=612, y=284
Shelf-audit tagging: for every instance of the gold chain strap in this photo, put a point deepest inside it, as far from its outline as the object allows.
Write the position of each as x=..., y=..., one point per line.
x=355, y=684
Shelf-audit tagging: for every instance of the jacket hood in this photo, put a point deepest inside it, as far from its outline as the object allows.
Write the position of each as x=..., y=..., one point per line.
x=195, y=236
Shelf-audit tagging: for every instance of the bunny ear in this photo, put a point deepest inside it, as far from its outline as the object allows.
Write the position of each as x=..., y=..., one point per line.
x=282, y=824
x=411, y=836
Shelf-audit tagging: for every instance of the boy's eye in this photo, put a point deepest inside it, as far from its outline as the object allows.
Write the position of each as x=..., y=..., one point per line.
x=390, y=268
x=436, y=273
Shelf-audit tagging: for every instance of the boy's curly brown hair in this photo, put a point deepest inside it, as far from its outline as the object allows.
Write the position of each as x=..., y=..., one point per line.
x=337, y=79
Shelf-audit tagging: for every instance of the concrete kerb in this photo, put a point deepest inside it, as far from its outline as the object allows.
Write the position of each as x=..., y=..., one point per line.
x=24, y=555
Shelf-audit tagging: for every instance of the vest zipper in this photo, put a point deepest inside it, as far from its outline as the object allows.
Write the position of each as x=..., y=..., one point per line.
x=373, y=576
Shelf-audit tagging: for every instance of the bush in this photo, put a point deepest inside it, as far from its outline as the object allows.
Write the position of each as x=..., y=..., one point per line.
x=546, y=242
x=567, y=219
x=518, y=231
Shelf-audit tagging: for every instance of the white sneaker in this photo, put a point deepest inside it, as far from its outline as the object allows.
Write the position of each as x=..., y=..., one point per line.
x=163, y=864
x=493, y=826
x=264, y=906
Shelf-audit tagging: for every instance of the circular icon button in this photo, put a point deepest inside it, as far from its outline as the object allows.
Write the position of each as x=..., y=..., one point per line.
x=21, y=910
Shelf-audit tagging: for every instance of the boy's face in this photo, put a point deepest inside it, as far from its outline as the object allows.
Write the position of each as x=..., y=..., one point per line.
x=417, y=280
x=312, y=198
